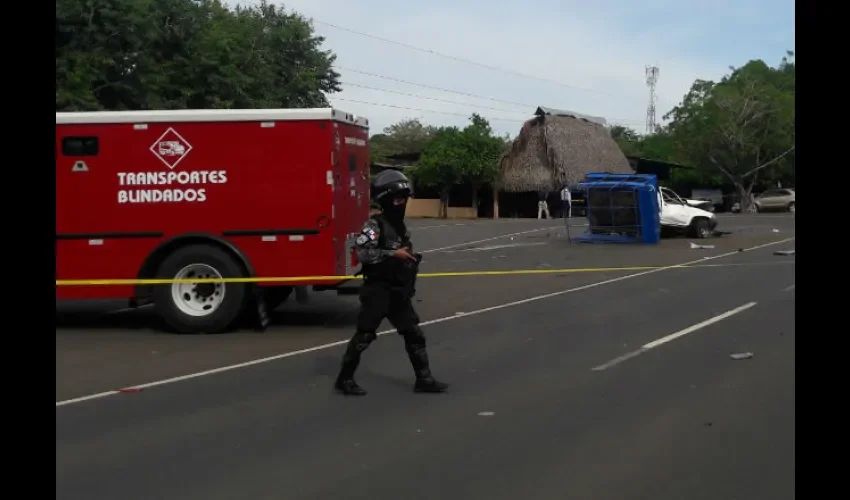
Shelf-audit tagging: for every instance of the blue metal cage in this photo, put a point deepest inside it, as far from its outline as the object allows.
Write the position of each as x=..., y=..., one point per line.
x=621, y=208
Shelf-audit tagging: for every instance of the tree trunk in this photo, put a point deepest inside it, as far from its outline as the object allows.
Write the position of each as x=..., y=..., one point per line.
x=475, y=188
x=444, y=203
x=495, y=201
x=742, y=196
x=744, y=193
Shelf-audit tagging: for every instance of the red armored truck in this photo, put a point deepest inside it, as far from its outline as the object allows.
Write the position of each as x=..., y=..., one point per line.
x=207, y=194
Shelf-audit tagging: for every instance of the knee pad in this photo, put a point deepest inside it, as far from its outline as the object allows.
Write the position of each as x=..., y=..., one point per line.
x=361, y=340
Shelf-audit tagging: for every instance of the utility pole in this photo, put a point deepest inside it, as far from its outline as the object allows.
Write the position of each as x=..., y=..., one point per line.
x=651, y=81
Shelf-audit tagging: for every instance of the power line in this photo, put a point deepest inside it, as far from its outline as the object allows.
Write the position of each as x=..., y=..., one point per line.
x=472, y=105
x=423, y=110
x=440, y=89
x=407, y=82
x=458, y=59
x=419, y=96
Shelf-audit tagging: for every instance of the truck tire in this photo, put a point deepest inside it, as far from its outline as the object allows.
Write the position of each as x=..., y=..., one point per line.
x=274, y=296
x=201, y=307
x=699, y=228
x=791, y=207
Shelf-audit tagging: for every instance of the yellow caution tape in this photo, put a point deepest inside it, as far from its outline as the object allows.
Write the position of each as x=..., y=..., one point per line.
x=297, y=279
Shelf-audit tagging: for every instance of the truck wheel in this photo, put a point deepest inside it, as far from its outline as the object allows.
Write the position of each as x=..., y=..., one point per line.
x=200, y=307
x=274, y=296
x=792, y=207
x=699, y=227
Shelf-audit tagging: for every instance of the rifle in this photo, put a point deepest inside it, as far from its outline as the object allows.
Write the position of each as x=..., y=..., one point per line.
x=411, y=270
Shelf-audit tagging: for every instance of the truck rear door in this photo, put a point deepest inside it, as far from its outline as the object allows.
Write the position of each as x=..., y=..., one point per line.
x=351, y=195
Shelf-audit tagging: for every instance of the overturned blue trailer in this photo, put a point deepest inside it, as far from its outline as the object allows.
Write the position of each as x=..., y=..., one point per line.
x=621, y=208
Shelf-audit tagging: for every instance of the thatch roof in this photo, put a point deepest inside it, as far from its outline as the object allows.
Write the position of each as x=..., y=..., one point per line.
x=541, y=110
x=554, y=149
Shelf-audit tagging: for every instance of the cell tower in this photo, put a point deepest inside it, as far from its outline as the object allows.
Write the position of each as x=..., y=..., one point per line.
x=651, y=81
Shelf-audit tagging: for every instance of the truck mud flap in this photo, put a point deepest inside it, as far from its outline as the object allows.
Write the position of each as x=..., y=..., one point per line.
x=261, y=320
x=301, y=295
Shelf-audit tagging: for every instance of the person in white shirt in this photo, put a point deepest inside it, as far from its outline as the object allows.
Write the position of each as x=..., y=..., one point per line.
x=567, y=201
x=542, y=206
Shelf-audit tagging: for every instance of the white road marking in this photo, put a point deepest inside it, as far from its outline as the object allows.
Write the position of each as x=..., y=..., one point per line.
x=424, y=323
x=757, y=216
x=491, y=239
x=673, y=336
x=748, y=264
x=702, y=324
x=422, y=228
x=497, y=247
x=789, y=288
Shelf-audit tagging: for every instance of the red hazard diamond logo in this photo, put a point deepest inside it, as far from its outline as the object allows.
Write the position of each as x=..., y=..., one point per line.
x=171, y=148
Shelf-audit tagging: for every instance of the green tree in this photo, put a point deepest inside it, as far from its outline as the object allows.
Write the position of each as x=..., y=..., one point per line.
x=167, y=54
x=482, y=151
x=454, y=156
x=742, y=126
x=408, y=136
x=441, y=164
x=626, y=138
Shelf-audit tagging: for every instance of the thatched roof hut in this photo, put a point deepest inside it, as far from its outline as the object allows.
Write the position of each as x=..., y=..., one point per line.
x=557, y=147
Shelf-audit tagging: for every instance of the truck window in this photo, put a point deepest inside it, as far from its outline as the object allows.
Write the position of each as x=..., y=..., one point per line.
x=352, y=163
x=80, y=146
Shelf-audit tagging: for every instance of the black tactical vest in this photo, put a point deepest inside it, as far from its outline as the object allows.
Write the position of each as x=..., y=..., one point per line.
x=390, y=270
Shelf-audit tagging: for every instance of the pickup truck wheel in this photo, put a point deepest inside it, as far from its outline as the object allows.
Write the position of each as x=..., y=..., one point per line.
x=792, y=207
x=192, y=307
x=699, y=227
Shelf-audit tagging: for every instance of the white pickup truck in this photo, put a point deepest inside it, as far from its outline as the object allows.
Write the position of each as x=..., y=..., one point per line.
x=677, y=215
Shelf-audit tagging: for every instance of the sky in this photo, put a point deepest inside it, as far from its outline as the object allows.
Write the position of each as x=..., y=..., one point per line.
x=583, y=56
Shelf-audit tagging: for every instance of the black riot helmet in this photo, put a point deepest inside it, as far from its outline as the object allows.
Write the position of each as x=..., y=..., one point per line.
x=390, y=189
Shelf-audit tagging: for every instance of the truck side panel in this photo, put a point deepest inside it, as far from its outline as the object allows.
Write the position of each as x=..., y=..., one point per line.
x=262, y=187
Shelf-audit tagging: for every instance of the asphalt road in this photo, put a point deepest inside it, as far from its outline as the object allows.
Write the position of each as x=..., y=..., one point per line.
x=101, y=349
x=527, y=415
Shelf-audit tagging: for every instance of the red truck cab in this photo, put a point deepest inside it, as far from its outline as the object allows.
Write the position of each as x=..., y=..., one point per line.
x=207, y=195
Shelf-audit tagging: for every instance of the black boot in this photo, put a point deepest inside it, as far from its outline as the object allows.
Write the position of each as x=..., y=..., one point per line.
x=349, y=387
x=429, y=384
x=425, y=382
x=350, y=361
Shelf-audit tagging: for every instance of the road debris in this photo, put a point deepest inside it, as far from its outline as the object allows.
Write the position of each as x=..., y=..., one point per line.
x=694, y=246
x=741, y=355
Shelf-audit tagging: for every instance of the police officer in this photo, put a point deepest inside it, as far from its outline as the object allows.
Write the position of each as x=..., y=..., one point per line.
x=389, y=270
